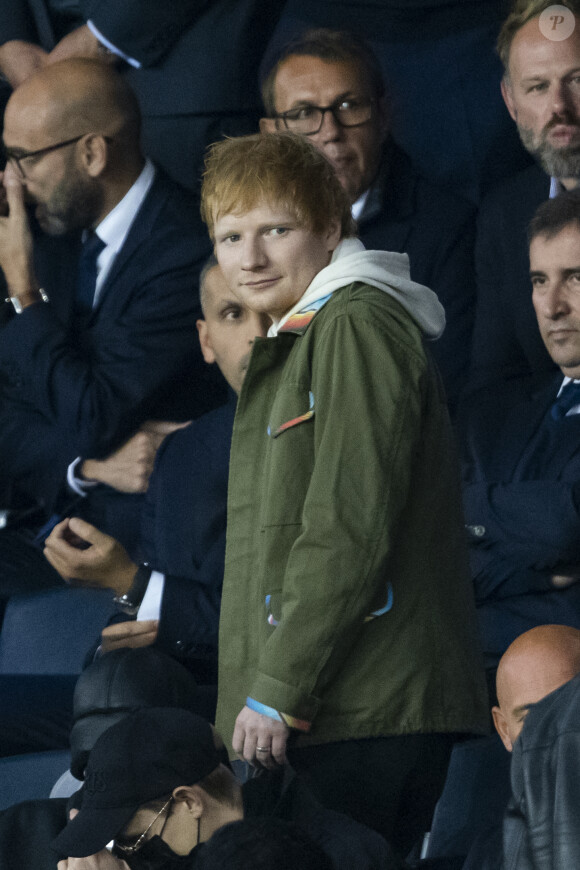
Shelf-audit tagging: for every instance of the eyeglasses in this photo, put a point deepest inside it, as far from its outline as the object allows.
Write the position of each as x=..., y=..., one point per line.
x=131, y=848
x=17, y=155
x=307, y=120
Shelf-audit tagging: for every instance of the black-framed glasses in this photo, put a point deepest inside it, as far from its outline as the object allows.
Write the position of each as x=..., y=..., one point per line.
x=17, y=155
x=307, y=120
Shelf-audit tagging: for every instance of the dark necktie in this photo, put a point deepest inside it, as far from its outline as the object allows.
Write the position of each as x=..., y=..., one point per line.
x=569, y=397
x=87, y=279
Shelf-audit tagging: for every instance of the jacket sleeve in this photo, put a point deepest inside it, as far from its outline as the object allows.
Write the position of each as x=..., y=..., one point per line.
x=532, y=524
x=146, y=30
x=336, y=571
x=97, y=393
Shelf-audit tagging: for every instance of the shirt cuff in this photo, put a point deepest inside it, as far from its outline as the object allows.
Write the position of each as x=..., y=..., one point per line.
x=150, y=607
x=290, y=721
x=77, y=484
x=104, y=41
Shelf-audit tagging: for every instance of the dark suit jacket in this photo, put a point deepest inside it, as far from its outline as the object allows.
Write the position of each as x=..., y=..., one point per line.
x=523, y=524
x=71, y=389
x=506, y=338
x=184, y=534
x=406, y=213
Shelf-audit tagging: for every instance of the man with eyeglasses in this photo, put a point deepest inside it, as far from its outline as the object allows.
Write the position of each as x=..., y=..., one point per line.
x=158, y=785
x=328, y=86
x=100, y=253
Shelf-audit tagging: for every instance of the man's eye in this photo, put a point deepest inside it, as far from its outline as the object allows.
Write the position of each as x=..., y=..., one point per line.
x=301, y=114
x=540, y=86
x=347, y=105
x=278, y=231
x=232, y=314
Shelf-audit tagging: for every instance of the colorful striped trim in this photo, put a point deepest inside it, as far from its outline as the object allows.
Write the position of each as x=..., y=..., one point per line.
x=300, y=321
x=296, y=420
x=290, y=721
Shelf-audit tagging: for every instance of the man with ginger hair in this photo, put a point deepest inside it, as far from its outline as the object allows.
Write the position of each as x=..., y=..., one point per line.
x=347, y=639
x=99, y=336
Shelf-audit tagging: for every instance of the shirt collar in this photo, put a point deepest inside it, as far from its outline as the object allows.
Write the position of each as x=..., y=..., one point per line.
x=114, y=227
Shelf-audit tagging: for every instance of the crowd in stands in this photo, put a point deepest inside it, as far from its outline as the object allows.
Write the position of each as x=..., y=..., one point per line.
x=290, y=380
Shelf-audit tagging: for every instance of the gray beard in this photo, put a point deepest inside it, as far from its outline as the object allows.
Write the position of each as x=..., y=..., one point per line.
x=559, y=162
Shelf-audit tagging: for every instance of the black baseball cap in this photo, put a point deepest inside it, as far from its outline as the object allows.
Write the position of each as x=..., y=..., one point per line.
x=143, y=757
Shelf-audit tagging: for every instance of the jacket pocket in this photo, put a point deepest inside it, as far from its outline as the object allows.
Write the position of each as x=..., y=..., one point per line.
x=278, y=426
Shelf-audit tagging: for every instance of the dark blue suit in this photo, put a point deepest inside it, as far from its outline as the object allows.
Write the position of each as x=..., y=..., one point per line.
x=79, y=388
x=522, y=509
x=184, y=532
x=72, y=388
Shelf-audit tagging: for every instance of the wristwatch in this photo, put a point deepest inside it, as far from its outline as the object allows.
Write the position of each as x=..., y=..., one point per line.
x=130, y=602
x=19, y=307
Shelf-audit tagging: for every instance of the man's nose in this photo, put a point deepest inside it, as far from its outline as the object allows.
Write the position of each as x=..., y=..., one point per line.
x=554, y=302
x=253, y=254
x=330, y=129
x=561, y=102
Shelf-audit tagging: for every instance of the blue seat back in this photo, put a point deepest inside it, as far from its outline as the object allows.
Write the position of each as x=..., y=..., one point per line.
x=51, y=632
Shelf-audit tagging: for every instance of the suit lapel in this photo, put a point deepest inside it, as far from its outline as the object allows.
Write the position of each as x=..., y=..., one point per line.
x=530, y=416
x=140, y=231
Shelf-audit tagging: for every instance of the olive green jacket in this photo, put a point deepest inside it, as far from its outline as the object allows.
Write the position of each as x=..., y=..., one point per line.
x=346, y=599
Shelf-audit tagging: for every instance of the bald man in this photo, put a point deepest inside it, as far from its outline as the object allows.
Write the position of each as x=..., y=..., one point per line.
x=537, y=663
x=100, y=252
x=538, y=683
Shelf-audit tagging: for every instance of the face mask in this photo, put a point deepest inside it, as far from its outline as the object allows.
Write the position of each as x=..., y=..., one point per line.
x=155, y=854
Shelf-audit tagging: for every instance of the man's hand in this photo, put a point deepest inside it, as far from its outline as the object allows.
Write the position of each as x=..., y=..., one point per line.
x=19, y=60
x=254, y=730
x=16, y=249
x=129, y=468
x=81, y=43
x=101, y=861
x=129, y=634
x=103, y=564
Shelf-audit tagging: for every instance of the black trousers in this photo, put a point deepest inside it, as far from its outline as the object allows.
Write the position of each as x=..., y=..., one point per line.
x=390, y=784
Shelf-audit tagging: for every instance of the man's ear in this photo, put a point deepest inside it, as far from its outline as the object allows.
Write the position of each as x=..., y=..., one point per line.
x=333, y=235
x=193, y=797
x=94, y=154
x=506, y=92
x=204, y=341
x=501, y=727
x=268, y=125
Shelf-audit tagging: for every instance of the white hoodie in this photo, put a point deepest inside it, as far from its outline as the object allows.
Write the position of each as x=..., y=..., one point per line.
x=383, y=269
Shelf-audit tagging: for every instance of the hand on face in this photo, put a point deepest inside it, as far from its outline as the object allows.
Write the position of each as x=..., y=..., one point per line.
x=16, y=250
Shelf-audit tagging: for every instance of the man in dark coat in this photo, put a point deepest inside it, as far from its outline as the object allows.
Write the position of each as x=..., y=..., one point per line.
x=98, y=338
x=522, y=469
x=395, y=209
x=540, y=90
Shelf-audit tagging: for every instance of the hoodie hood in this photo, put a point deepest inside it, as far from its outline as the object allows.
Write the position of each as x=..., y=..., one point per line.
x=385, y=270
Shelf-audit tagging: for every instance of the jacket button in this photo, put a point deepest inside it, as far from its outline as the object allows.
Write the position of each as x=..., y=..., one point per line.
x=476, y=531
